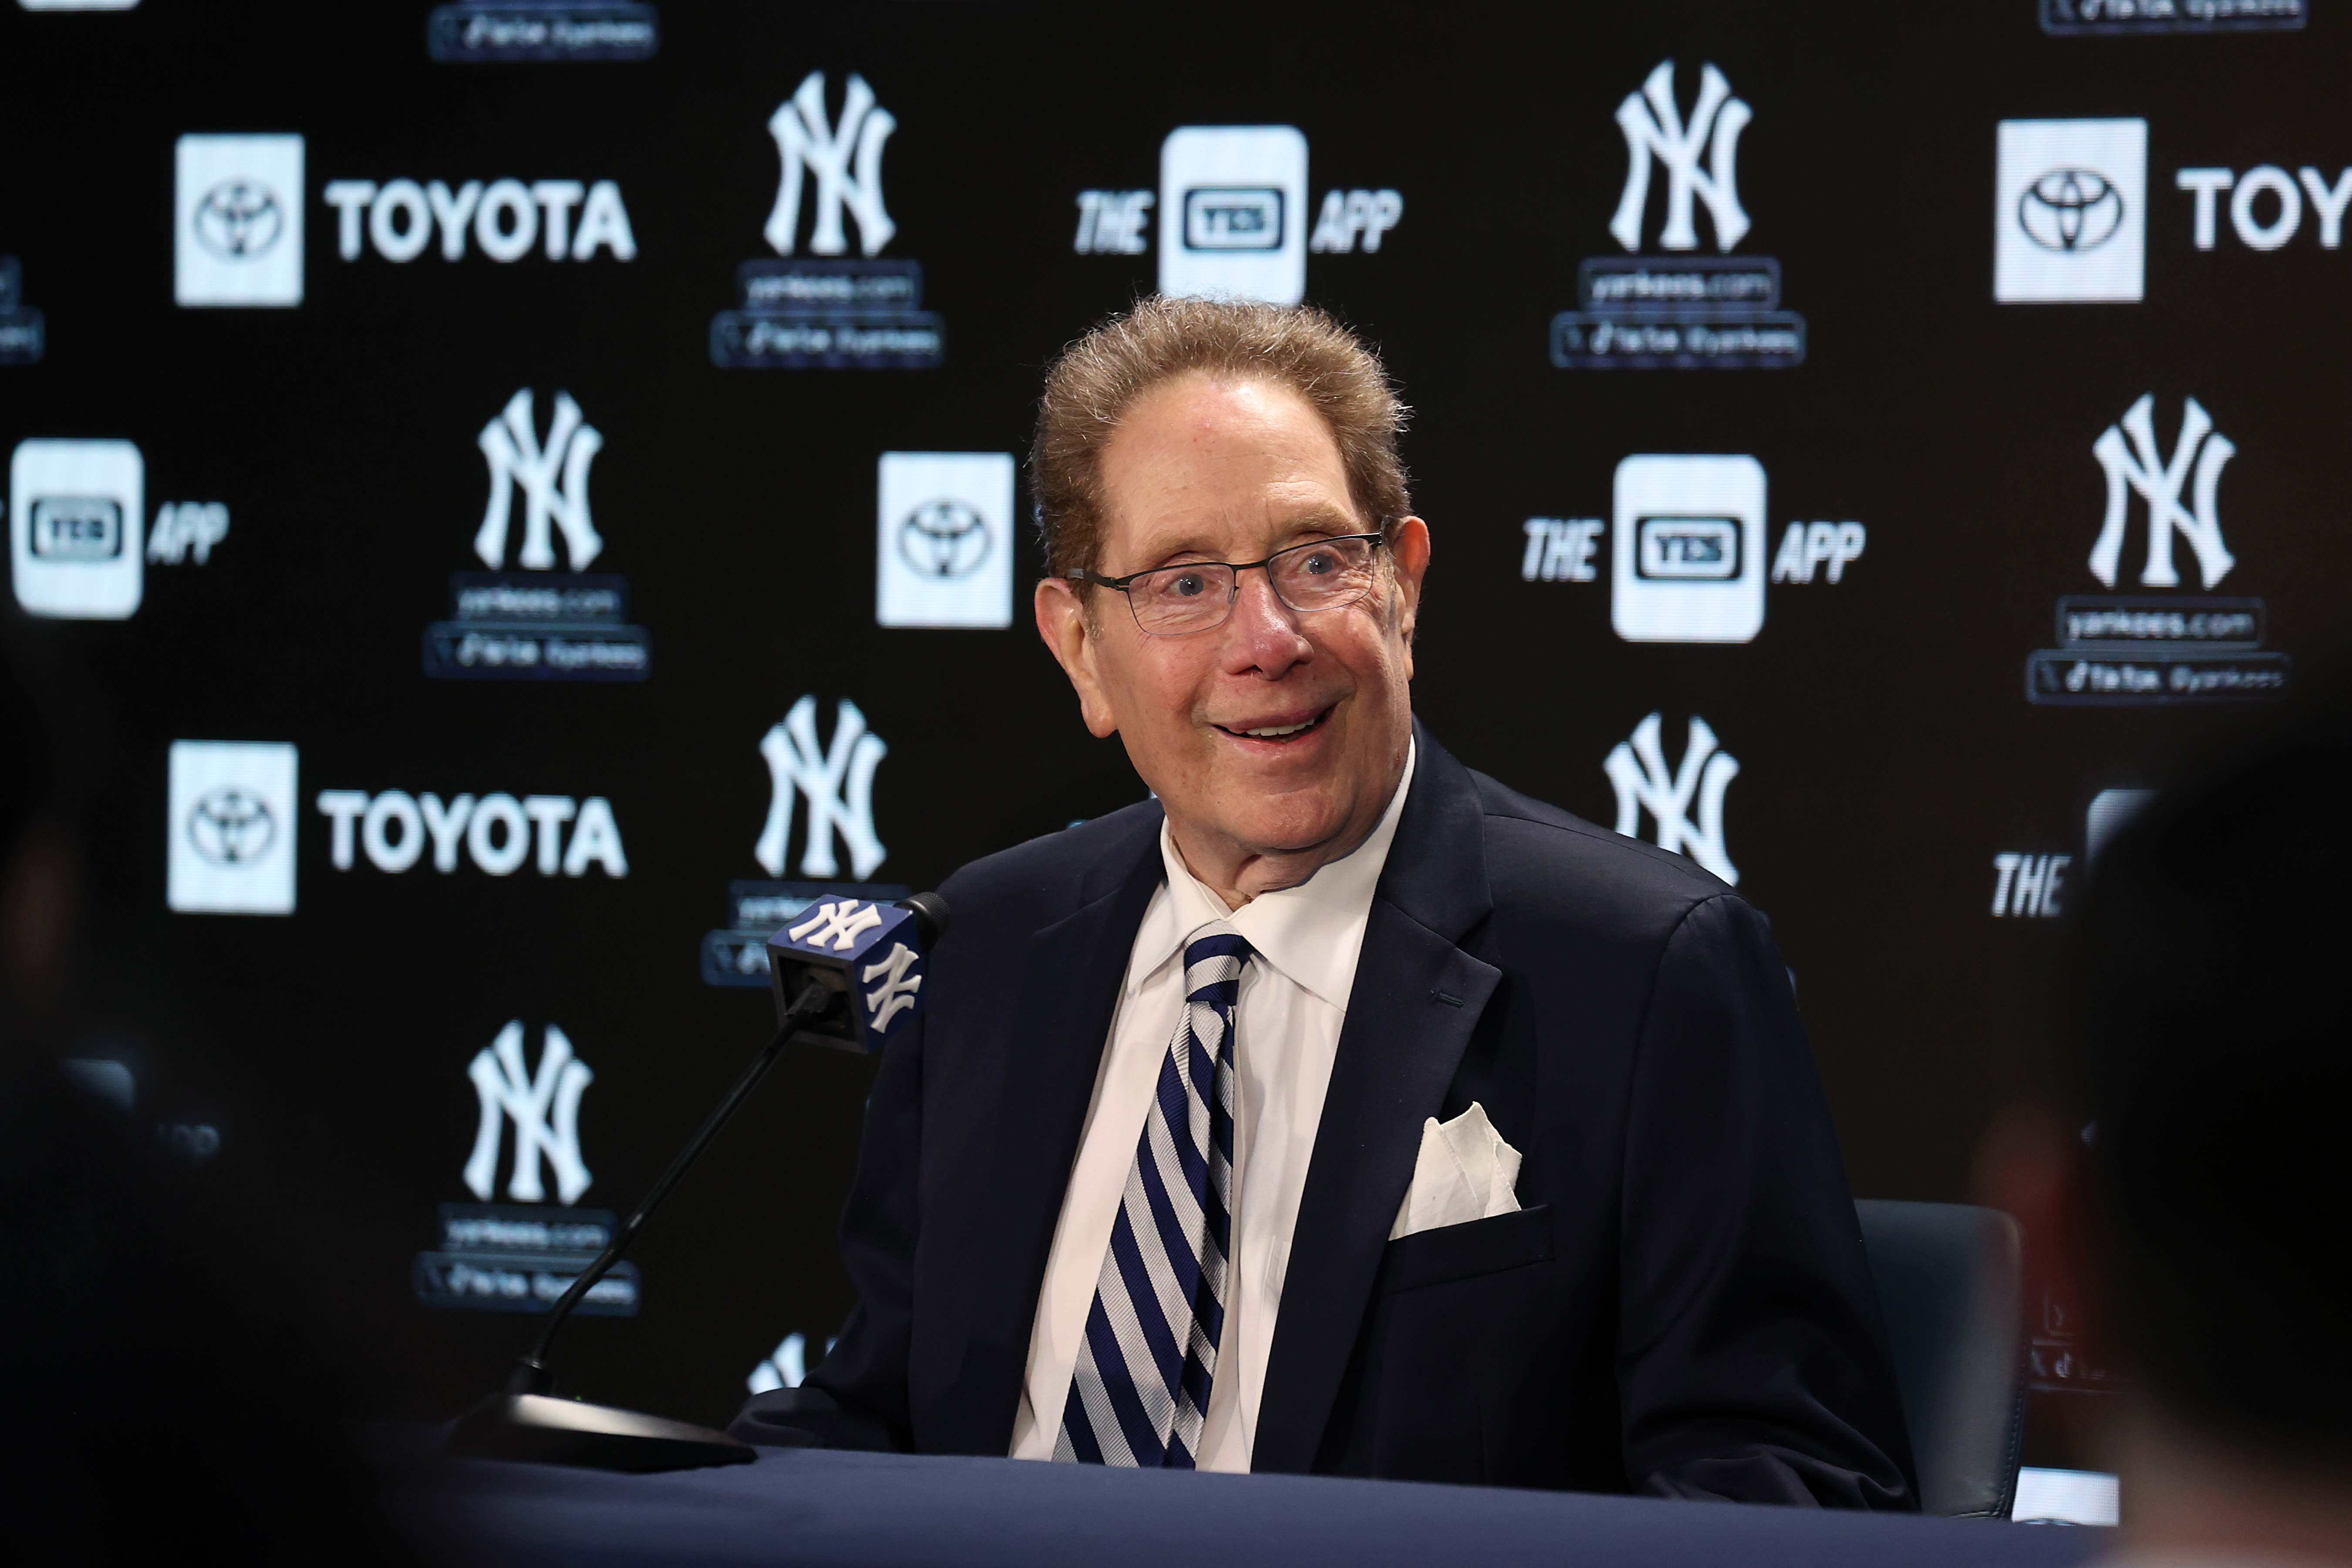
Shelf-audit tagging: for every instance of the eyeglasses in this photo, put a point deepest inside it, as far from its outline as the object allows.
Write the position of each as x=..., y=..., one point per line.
x=1198, y=595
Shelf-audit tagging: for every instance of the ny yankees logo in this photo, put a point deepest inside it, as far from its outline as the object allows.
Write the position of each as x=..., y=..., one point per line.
x=518, y=462
x=1639, y=774
x=898, y=989
x=840, y=922
x=2159, y=484
x=1656, y=126
x=544, y=1108
x=803, y=138
x=838, y=781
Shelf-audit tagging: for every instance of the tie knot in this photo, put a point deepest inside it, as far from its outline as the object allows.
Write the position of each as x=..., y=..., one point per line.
x=1216, y=943
x=1214, y=961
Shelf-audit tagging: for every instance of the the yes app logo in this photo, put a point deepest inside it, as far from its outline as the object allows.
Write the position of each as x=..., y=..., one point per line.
x=1233, y=206
x=74, y=537
x=1686, y=556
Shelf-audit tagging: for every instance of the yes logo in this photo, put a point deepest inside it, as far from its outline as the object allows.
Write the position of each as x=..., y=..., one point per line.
x=1688, y=552
x=1234, y=218
x=74, y=535
x=1233, y=201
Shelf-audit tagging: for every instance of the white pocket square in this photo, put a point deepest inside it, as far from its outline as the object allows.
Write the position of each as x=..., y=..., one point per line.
x=1466, y=1172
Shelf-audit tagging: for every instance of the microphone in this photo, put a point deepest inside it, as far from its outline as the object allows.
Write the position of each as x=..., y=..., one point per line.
x=847, y=973
x=829, y=944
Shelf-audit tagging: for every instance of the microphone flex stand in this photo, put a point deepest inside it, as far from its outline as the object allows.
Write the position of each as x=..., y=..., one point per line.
x=528, y=1422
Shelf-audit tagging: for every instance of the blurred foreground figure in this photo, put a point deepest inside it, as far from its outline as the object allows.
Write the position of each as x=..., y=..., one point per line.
x=177, y=1380
x=2192, y=1193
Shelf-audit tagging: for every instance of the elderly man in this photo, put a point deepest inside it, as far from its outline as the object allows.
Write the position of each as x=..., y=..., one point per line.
x=1338, y=1109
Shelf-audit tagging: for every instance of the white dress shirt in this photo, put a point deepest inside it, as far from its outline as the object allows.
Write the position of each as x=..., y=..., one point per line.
x=1293, y=1000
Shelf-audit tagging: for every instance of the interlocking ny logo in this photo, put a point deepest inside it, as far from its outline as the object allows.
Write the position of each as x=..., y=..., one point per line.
x=898, y=990
x=803, y=140
x=519, y=461
x=544, y=1108
x=1656, y=126
x=838, y=781
x=838, y=923
x=2159, y=484
x=1639, y=772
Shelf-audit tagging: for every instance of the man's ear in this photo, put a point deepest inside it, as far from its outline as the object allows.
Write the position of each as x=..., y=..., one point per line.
x=1409, y=554
x=1074, y=638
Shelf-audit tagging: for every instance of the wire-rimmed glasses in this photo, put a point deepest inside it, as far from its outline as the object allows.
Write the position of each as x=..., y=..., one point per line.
x=1198, y=595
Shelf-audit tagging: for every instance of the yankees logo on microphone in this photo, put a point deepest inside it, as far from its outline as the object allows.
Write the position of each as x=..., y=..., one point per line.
x=870, y=951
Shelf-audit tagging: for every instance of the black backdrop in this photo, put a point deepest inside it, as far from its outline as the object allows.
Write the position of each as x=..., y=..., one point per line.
x=1886, y=748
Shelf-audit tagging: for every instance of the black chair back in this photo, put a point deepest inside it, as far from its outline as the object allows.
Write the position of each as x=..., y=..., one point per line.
x=1951, y=1285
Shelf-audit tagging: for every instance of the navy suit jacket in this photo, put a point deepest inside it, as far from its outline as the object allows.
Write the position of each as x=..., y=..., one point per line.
x=1682, y=1305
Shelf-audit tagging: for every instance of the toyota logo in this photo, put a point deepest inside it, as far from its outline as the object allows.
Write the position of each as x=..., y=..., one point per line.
x=2069, y=209
x=238, y=219
x=944, y=539
x=232, y=826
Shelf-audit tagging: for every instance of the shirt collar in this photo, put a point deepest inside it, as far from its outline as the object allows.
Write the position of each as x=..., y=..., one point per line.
x=1311, y=932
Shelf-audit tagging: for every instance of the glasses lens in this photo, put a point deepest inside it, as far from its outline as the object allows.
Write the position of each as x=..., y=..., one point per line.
x=1324, y=575
x=1183, y=598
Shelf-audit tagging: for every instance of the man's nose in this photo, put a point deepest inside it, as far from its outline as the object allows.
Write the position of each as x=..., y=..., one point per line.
x=1262, y=632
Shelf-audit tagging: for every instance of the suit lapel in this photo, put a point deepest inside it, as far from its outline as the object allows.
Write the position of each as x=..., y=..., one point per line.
x=1416, y=999
x=1054, y=1041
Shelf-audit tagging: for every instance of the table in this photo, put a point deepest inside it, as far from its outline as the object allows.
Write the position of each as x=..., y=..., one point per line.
x=861, y=1510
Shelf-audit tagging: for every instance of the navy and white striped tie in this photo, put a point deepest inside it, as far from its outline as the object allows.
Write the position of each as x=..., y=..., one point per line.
x=1141, y=1390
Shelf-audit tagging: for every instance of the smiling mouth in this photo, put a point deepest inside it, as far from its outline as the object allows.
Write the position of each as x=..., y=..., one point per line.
x=1279, y=731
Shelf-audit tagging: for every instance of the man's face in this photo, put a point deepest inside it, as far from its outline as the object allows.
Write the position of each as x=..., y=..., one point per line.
x=1278, y=737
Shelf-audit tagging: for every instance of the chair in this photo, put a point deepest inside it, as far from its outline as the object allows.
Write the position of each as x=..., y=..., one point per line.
x=1950, y=1281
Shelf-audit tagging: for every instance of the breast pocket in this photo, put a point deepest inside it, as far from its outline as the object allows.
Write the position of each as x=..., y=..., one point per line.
x=1465, y=1251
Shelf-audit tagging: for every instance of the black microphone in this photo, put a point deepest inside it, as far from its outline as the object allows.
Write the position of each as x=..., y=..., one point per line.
x=845, y=971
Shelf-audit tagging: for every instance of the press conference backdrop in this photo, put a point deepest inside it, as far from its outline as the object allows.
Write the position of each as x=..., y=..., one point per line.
x=512, y=501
